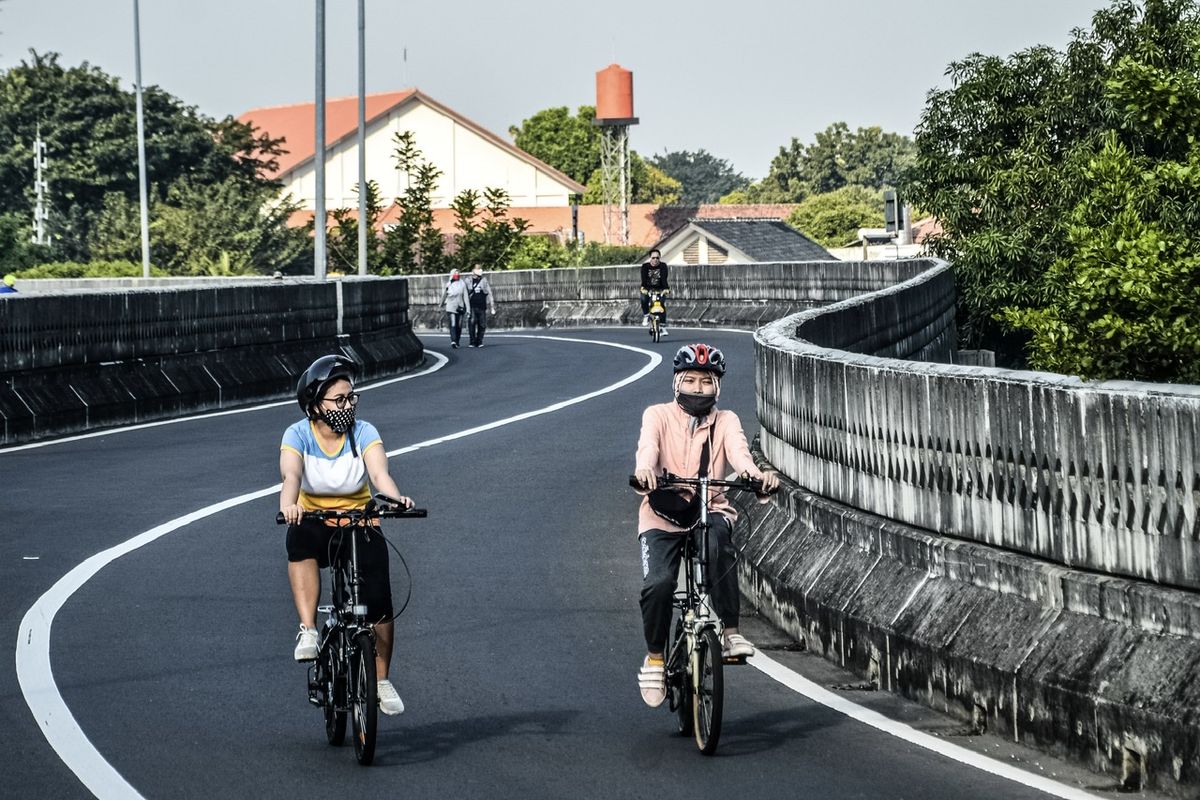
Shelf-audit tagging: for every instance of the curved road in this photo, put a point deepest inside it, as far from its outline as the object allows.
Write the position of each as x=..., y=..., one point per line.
x=516, y=656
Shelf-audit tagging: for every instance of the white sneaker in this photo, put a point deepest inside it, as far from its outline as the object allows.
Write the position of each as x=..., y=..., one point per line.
x=645, y=320
x=306, y=644
x=389, y=699
x=662, y=331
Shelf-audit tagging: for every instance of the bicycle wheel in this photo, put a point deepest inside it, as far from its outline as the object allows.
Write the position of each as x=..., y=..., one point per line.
x=331, y=675
x=364, y=704
x=710, y=692
x=654, y=331
x=679, y=683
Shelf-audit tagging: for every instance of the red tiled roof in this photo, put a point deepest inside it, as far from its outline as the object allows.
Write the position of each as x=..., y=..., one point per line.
x=648, y=223
x=297, y=122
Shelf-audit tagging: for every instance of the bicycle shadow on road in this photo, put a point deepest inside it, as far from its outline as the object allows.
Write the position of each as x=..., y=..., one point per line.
x=404, y=745
x=770, y=730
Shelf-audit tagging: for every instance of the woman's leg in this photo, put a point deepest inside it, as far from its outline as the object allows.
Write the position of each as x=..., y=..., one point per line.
x=305, y=579
x=661, y=551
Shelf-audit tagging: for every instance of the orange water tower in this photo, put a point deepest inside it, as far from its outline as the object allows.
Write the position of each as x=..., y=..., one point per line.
x=614, y=96
x=614, y=115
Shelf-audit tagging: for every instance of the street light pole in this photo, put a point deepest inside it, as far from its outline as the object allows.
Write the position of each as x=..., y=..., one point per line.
x=319, y=215
x=362, y=138
x=141, y=135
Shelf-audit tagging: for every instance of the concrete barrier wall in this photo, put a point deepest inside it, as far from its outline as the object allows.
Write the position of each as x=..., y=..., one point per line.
x=1101, y=476
x=743, y=295
x=72, y=362
x=1098, y=669
x=1014, y=548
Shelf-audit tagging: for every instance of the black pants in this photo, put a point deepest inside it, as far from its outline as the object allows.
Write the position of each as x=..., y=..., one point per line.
x=661, y=554
x=478, y=324
x=314, y=539
x=455, y=322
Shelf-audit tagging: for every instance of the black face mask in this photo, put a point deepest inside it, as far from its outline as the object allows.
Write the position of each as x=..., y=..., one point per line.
x=340, y=419
x=696, y=405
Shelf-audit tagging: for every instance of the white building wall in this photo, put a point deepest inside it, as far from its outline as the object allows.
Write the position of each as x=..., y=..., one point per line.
x=467, y=160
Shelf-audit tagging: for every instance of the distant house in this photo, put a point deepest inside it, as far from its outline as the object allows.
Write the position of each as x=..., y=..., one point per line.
x=469, y=156
x=738, y=241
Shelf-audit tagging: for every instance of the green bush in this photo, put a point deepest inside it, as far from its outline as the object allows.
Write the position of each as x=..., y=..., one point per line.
x=91, y=269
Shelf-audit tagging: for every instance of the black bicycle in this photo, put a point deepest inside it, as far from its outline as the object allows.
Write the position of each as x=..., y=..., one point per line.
x=342, y=679
x=694, y=661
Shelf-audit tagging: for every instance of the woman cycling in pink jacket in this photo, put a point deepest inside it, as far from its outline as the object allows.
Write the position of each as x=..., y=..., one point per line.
x=678, y=436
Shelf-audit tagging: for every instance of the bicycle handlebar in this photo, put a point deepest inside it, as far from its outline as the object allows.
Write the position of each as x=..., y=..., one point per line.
x=670, y=479
x=360, y=514
x=372, y=511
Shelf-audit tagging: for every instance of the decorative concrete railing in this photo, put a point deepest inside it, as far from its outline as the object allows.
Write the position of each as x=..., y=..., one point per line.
x=71, y=362
x=1101, y=476
x=743, y=295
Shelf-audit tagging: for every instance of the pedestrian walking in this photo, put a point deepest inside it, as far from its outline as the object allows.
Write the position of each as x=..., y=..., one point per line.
x=454, y=300
x=482, y=303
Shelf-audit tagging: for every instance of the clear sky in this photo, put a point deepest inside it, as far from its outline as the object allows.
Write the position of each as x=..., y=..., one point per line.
x=738, y=79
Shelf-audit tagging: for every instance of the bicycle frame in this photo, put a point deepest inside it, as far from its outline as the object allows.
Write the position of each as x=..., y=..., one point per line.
x=342, y=678
x=695, y=609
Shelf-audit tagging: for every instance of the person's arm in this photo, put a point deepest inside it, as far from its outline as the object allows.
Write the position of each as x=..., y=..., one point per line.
x=645, y=277
x=646, y=462
x=737, y=453
x=291, y=469
x=665, y=287
x=491, y=298
x=375, y=457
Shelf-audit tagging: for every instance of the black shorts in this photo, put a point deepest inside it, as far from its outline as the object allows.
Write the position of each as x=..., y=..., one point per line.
x=314, y=539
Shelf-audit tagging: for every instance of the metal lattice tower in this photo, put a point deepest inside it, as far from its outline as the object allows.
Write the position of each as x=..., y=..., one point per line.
x=614, y=115
x=614, y=180
x=40, y=189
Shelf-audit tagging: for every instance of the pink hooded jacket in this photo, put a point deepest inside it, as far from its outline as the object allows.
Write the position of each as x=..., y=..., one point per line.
x=669, y=441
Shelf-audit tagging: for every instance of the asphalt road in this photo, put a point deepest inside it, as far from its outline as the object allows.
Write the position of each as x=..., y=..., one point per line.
x=516, y=656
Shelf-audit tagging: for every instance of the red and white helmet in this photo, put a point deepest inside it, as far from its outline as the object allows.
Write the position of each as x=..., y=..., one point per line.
x=700, y=357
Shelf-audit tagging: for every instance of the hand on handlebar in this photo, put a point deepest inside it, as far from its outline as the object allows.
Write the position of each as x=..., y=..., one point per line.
x=647, y=478
x=291, y=514
x=769, y=482
x=384, y=503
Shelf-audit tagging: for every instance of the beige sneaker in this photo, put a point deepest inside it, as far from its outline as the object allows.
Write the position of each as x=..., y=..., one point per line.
x=652, y=681
x=737, y=646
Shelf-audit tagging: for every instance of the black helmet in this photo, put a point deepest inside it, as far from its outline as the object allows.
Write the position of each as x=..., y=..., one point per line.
x=320, y=374
x=700, y=357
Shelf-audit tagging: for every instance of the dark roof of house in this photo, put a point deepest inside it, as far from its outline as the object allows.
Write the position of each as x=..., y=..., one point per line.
x=764, y=239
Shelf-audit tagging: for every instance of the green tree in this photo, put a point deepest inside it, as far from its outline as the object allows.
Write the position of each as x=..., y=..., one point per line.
x=833, y=218
x=570, y=144
x=837, y=157
x=648, y=184
x=1056, y=176
x=204, y=229
x=341, y=241
x=414, y=244
x=88, y=122
x=486, y=236
x=703, y=177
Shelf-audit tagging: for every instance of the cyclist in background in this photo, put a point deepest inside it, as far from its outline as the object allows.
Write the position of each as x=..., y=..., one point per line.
x=684, y=437
x=329, y=461
x=654, y=279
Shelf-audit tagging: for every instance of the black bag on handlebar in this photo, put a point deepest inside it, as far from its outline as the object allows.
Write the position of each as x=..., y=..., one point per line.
x=677, y=506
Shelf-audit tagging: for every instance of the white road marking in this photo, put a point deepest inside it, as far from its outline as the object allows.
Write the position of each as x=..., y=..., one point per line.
x=900, y=730
x=34, y=673
x=441, y=362
x=81, y=757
